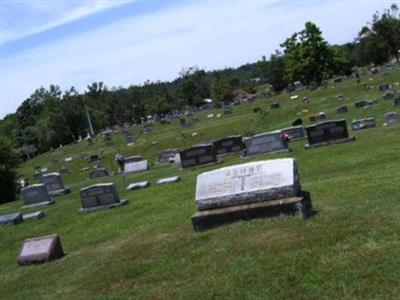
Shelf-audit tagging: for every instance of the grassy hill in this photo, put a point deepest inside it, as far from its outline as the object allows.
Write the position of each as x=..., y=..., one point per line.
x=148, y=249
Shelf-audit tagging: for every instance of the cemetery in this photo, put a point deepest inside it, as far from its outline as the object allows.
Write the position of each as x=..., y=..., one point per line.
x=316, y=224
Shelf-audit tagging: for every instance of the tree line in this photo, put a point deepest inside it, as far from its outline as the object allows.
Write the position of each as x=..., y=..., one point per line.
x=50, y=116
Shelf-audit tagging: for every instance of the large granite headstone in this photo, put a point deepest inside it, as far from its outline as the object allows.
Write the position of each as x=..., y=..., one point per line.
x=40, y=250
x=295, y=133
x=54, y=184
x=269, y=142
x=327, y=133
x=363, y=124
x=247, y=191
x=167, y=155
x=35, y=195
x=134, y=166
x=97, y=173
x=392, y=118
x=100, y=196
x=197, y=156
x=230, y=144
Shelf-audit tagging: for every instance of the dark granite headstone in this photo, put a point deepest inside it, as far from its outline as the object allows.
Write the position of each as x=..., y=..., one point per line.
x=326, y=133
x=198, y=155
x=342, y=110
x=99, y=196
x=36, y=194
x=363, y=104
x=97, y=173
x=230, y=144
x=40, y=250
x=269, y=142
x=54, y=184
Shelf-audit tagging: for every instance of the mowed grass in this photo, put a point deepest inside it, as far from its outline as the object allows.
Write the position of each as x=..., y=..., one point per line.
x=148, y=249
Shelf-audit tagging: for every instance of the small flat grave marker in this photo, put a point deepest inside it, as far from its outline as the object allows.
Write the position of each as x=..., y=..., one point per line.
x=342, y=110
x=138, y=185
x=14, y=219
x=168, y=180
x=40, y=250
x=97, y=173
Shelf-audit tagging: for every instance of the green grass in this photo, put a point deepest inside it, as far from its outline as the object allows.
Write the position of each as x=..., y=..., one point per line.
x=148, y=249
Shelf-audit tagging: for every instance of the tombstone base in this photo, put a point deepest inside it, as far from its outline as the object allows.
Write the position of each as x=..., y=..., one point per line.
x=101, y=207
x=340, y=141
x=298, y=206
x=64, y=191
x=39, y=204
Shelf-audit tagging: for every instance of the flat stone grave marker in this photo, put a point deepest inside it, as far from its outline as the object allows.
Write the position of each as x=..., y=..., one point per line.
x=138, y=185
x=230, y=144
x=363, y=124
x=392, y=118
x=14, y=219
x=327, y=133
x=168, y=180
x=269, y=142
x=297, y=122
x=54, y=184
x=167, y=155
x=363, y=104
x=68, y=159
x=100, y=196
x=34, y=216
x=247, y=191
x=40, y=250
x=132, y=166
x=97, y=173
x=35, y=195
x=275, y=105
x=342, y=110
x=295, y=133
x=198, y=156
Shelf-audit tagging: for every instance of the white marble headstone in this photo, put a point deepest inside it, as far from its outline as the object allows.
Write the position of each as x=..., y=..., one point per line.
x=136, y=166
x=247, y=183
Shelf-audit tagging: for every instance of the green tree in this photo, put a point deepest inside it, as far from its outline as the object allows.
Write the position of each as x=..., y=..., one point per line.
x=8, y=163
x=274, y=71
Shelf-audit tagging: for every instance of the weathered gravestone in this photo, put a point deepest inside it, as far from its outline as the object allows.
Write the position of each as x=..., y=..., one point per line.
x=198, y=155
x=363, y=124
x=100, y=196
x=342, y=110
x=275, y=105
x=392, y=118
x=230, y=144
x=327, y=133
x=269, y=142
x=363, y=104
x=384, y=87
x=54, y=184
x=248, y=191
x=168, y=180
x=97, y=173
x=138, y=185
x=133, y=165
x=295, y=133
x=167, y=155
x=40, y=250
x=35, y=195
x=14, y=219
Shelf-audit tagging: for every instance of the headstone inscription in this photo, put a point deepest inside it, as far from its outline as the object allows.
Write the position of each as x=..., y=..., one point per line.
x=230, y=144
x=40, y=250
x=247, y=191
x=14, y=219
x=54, y=184
x=295, y=133
x=35, y=195
x=100, y=196
x=167, y=155
x=363, y=124
x=97, y=173
x=134, y=166
x=269, y=142
x=327, y=133
x=199, y=155
x=342, y=110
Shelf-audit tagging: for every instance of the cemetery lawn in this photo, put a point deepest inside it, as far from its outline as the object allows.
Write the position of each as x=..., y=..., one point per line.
x=148, y=249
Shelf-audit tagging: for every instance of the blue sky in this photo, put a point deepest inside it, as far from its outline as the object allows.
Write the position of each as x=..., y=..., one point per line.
x=123, y=42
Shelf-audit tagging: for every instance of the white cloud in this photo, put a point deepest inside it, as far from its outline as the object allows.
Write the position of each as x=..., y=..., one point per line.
x=157, y=46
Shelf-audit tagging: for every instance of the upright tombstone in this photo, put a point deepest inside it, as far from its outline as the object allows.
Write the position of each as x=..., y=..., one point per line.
x=230, y=144
x=363, y=124
x=35, y=195
x=199, y=155
x=342, y=110
x=100, y=196
x=98, y=173
x=269, y=142
x=392, y=118
x=275, y=105
x=327, y=133
x=167, y=155
x=247, y=191
x=54, y=184
x=295, y=133
x=40, y=250
x=134, y=166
